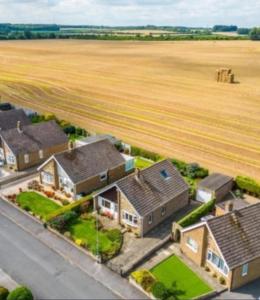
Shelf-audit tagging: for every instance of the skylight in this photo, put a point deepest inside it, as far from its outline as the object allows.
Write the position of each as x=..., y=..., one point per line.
x=165, y=174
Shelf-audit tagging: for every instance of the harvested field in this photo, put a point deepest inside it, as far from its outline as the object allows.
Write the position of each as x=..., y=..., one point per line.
x=162, y=96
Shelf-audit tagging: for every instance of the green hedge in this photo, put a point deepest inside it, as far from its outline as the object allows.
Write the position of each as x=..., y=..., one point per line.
x=75, y=206
x=197, y=214
x=136, y=151
x=20, y=293
x=3, y=293
x=248, y=185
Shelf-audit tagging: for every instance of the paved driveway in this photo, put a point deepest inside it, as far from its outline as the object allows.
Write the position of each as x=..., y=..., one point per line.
x=250, y=291
x=51, y=267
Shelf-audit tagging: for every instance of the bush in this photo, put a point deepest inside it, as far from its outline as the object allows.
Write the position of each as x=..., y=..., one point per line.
x=159, y=291
x=20, y=293
x=248, y=185
x=145, y=279
x=3, y=293
x=181, y=166
x=135, y=151
x=75, y=206
x=192, y=171
x=222, y=280
x=61, y=222
x=114, y=235
x=197, y=214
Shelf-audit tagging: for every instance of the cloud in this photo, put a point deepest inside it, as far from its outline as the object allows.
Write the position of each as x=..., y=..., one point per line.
x=132, y=12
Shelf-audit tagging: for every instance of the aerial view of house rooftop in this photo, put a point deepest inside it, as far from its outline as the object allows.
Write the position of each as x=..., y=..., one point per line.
x=9, y=119
x=146, y=197
x=86, y=168
x=230, y=244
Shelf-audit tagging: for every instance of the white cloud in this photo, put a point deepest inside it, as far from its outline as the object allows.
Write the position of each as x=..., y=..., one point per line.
x=132, y=12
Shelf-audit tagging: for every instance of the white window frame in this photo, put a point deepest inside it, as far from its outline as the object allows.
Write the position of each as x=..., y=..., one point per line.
x=244, y=270
x=46, y=176
x=10, y=159
x=103, y=176
x=103, y=203
x=192, y=244
x=150, y=219
x=127, y=216
x=210, y=254
x=26, y=158
x=41, y=156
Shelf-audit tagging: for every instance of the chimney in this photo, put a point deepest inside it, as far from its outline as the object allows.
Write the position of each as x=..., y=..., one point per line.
x=71, y=146
x=229, y=206
x=19, y=126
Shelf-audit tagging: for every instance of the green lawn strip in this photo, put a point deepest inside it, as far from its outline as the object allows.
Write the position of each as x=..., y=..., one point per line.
x=86, y=231
x=37, y=203
x=142, y=163
x=173, y=269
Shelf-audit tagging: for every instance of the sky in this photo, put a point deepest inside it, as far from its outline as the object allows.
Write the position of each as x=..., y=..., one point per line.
x=206, y=13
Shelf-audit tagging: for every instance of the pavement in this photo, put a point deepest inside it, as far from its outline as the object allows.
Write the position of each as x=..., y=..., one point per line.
x=247, y=292
x=6, y=281
x=52, y=267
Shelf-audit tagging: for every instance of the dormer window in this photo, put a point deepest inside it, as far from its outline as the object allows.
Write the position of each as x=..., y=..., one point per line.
x=165, y=174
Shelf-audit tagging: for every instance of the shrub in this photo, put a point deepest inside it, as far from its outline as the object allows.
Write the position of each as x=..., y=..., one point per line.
x=181, y=166
x=159, y=291
x=248, y=185
x=75, y=206
x=135, y=151
x=222, y=280
x=114, y=235
x=197, y=214
x=144, y=278
x=194, y=171
x=3, y=293
x=20, y=293
x=61, y=222
x=214, y=275
x=207, y=269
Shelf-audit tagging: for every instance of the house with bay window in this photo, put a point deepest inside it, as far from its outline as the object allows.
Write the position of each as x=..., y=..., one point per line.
x=145, y=198
x=26, y=146
x=229, y=245
x=84, y=169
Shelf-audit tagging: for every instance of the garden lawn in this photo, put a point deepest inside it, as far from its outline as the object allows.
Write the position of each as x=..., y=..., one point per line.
x=36, y=203
x=142, y=163
x=85, y=230
x=173, y=269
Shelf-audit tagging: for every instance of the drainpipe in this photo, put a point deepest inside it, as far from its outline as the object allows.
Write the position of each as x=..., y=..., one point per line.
x=142, y=227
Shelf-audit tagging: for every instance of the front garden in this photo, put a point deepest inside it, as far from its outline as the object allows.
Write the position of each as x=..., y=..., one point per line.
x=37, y=204
x=171, y=279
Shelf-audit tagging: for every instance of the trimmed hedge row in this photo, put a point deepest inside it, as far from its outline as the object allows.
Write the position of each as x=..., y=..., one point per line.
x=136, y=151
x=197, y=214
x=75, y=206
x=248, y=185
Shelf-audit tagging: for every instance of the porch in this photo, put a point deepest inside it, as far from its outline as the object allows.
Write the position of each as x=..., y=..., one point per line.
x=107, y=204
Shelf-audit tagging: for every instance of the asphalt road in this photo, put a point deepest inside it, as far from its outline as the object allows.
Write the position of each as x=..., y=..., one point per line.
x=30, y=262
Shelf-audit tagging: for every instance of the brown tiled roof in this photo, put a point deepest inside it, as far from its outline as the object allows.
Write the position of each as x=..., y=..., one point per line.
x=9, y=119
x=34, y=137
x=151, y=189
x=238, y=235
x=89, y=160
x=214, y=181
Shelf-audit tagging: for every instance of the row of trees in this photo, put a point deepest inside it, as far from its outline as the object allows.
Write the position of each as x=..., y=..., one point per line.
x=255, y=34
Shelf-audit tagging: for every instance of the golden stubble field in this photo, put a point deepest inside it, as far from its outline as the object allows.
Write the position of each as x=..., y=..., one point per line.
x=158, y=95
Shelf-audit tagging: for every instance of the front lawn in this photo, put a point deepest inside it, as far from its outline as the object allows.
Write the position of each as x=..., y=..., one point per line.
x=142, y=163
x=36, y=203
x=174, y=270
x=109, y=241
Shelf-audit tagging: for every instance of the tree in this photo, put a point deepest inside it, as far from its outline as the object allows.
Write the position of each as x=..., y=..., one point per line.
x=3, y=293
x=20, y=293
x=255, y=34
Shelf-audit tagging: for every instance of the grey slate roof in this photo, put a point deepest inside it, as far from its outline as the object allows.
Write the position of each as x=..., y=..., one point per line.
x=34, y=137
x=150, y=189
x=214, y=181
x=89, y=160
x=9, y=119
x=238, y=235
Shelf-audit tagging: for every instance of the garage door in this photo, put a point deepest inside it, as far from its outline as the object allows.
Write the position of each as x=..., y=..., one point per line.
x=203, y=196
